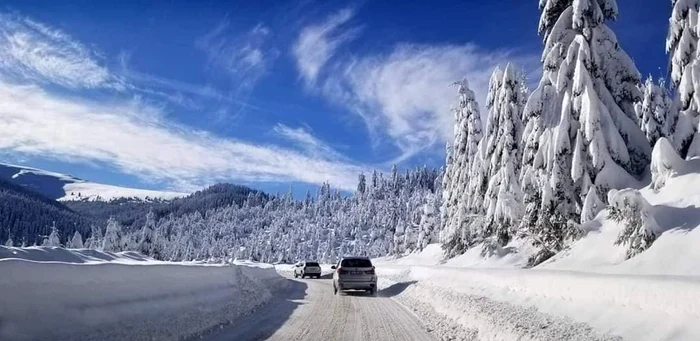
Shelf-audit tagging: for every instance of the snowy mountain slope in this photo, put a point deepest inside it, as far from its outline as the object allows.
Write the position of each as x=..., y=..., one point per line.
x=65, y=187
x=91, y=295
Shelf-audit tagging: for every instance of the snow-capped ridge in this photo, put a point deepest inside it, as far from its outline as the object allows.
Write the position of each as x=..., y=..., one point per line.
x=65, y=187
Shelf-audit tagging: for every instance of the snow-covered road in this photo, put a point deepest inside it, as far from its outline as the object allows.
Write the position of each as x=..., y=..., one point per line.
x=308, y=310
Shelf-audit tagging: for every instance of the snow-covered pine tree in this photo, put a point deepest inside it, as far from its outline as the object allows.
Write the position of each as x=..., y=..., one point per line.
x=467, y=134
x=9, y=242
x=682, y=47
x=428, y=222
x=503, y=196
x=147, y=237
x=640, y=228
x=113, y=240
x=446, y=201
x=656, y=113
x=76, y=242
x=53, y=238
x=581, y=129
x=94, y=241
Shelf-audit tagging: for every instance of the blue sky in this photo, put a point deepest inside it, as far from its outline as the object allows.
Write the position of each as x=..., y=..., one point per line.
x=183, y=94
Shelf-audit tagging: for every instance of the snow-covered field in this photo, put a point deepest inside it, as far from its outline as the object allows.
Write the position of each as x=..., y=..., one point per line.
x=58, y=294
x=64, y=187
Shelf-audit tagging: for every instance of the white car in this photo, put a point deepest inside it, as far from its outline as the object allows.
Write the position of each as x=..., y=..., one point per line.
x=307, y=269
x=354, y=273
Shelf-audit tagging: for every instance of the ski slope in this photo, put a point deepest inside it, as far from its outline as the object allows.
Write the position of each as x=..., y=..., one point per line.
x=64, y=187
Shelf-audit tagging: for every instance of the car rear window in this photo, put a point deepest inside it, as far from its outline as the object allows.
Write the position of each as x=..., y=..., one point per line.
x=311, y=264
x=356, y=263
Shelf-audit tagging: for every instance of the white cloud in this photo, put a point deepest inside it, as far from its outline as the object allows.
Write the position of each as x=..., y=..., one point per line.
x=127, y=136
x=307, y=141
x=408, y=91
x=32, y=51
x=317, y=44
x=247, y=57
x=404, y=95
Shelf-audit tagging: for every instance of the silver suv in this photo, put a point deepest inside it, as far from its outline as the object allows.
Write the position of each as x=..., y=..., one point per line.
x=354, y=273
x=307, y=269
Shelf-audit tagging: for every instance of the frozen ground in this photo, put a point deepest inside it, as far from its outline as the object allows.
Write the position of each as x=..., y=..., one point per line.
x=55, y=294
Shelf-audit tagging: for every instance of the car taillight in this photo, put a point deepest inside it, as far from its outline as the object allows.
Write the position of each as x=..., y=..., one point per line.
x=370, y=272
x=341, y=271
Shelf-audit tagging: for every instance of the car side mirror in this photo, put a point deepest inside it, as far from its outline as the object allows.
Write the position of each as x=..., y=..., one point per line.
x=333, y=267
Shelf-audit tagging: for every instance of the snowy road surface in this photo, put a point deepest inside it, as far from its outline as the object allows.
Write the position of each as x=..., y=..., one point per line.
x=308, y=310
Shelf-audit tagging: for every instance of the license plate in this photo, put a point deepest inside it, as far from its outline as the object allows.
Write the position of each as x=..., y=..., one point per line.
x=356, y=272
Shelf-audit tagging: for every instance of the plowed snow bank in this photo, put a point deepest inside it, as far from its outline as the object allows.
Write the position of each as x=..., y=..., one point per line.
x=135, y=300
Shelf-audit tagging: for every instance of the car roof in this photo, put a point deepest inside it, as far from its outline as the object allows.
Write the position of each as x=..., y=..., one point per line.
x=367, y=258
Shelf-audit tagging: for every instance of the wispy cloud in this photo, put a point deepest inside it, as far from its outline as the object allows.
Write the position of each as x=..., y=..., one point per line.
x=407, y=93
x=404, y=95
x=317, y=43
x=246, y=57
x=32, y=51
x=307, y=142
x=125, y=135
x=129, y=130
x=186, y=94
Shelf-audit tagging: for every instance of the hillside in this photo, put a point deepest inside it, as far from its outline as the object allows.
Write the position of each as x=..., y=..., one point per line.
x=132, y=213
x=27, y=216
x=64, y=187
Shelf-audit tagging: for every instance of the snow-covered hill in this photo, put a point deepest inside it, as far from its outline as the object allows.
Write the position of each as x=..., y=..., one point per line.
x=65, y=187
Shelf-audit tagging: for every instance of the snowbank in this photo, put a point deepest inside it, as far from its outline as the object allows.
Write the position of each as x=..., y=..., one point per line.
x=505, y=304
x=78, y=256
x=58, y=294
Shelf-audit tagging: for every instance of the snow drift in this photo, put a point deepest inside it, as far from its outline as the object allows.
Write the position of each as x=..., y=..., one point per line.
x=538, y=304
x=87, y=295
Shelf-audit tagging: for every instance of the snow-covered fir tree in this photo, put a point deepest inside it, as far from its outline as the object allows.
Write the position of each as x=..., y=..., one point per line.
x=95, y=240
x=467, y=134
x=581, y=128
x=147, y=238
x=503, y=154
x=9, y=242
x=656, y=113
x=76, y=242
x=53, y=239
x=428, y=222
x=640, y=228
x=114, y=240
x=682, y=47
x=384, y=220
